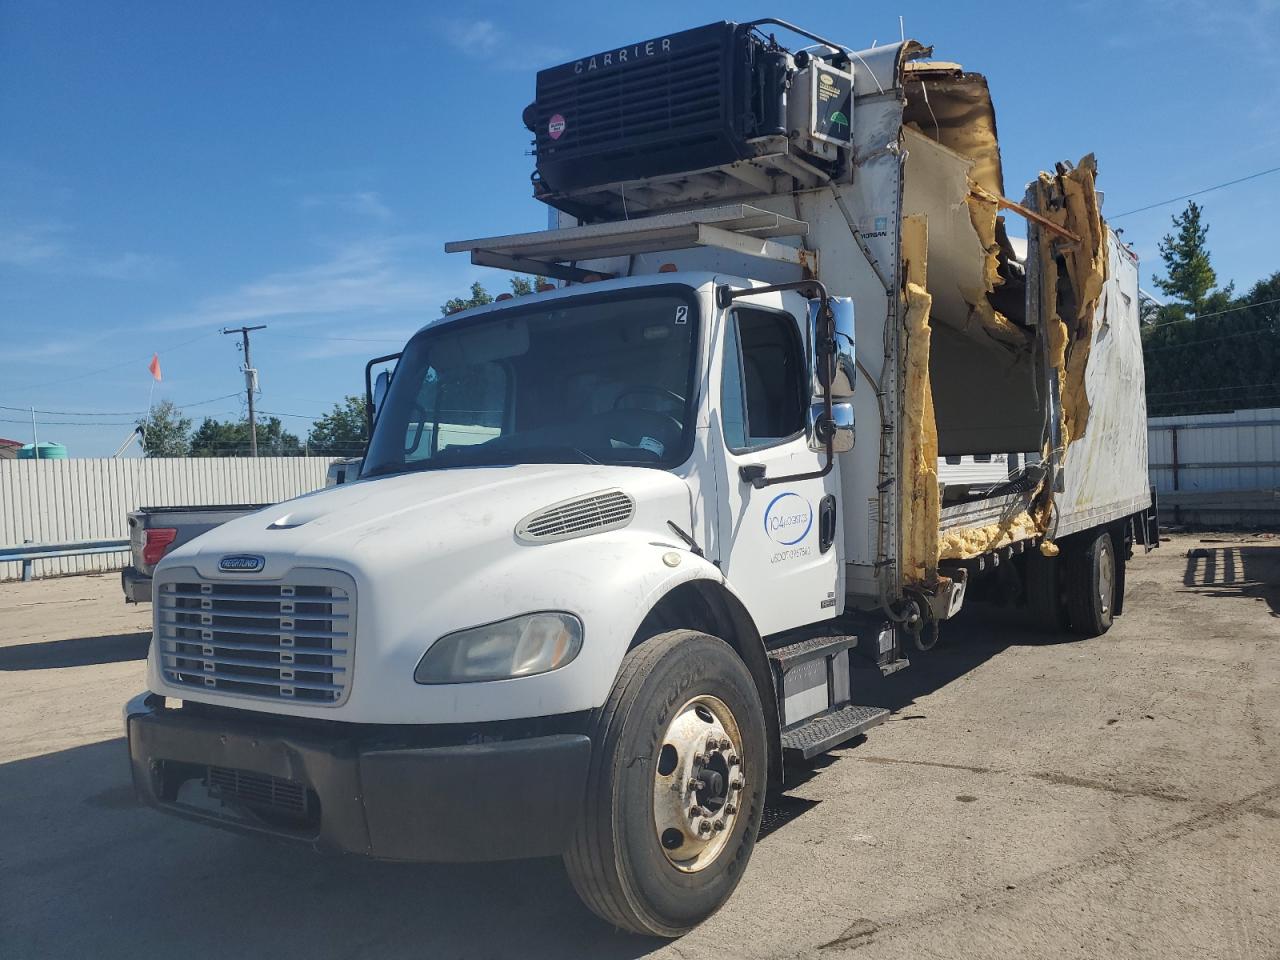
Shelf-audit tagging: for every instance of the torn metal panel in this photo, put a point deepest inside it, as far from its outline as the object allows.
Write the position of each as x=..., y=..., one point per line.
x=880, y=69
x=964, y=252
x=1072, y=278
x=954, y=108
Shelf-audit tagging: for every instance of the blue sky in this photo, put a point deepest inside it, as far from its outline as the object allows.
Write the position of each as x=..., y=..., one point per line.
x=168, y=168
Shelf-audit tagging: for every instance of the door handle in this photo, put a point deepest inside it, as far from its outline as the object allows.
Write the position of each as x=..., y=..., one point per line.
x=826, y=523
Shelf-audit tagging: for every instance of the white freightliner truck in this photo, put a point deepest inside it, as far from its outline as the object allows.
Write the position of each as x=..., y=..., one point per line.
x=615, y=548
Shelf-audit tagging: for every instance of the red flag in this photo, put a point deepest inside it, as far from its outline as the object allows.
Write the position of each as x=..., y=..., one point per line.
x=154, y=366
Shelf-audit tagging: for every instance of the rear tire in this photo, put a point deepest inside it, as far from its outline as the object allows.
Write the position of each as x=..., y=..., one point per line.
x=1044, y=591
x=1092, y=578
x=639, y=859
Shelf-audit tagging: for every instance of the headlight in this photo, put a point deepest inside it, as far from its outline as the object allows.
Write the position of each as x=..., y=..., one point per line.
x=519, y=647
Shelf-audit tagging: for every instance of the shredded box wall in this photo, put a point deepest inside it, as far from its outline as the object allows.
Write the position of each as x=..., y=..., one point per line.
x=87, y=499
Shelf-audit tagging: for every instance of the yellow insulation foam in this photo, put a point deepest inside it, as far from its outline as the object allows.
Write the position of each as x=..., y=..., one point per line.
x=966, y=542
x=921, y=504
x=983, y=211
x=1071, y=201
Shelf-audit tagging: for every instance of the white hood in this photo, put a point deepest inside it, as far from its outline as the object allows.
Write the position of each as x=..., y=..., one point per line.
x=436, y=551
x=428, y=514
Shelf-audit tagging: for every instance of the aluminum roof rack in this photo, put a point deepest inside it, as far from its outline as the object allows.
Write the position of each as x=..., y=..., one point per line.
x=737, y=227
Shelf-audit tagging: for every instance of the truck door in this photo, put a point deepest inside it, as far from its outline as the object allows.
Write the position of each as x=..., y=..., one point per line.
x=779, y=545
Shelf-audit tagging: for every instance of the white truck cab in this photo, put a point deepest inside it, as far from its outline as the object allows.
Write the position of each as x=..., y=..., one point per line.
x=615, y=545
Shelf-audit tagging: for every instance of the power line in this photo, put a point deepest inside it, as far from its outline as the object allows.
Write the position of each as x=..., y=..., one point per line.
x=117, y=413
x=300, y=416
x=1234, y=386
x=1196, y=193
x=309, y=336
x=1196, y=343
x=1258, y=401
x=1217, y=313
x=73, y=423
x=94, y=373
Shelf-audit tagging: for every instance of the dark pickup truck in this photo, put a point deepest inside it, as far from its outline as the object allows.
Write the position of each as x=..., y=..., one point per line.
x=154, y=531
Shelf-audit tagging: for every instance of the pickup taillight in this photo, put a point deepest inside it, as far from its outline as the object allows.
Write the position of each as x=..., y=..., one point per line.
x=157, y=542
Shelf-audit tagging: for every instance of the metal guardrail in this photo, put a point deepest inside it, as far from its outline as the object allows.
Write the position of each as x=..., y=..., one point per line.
x=29, y=552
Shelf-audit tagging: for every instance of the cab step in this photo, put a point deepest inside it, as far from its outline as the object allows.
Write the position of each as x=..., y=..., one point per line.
x=819, y=734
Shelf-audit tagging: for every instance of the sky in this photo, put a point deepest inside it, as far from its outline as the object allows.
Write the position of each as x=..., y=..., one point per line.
x=168, y=169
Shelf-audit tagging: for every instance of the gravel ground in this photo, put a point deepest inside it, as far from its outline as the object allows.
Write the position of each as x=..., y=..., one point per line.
x=1030, y=797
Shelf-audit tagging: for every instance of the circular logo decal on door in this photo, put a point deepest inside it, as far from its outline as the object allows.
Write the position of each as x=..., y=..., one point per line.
x=788, y=518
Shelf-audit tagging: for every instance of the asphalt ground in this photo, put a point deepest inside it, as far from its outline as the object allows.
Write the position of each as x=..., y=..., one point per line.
x=1030, y=797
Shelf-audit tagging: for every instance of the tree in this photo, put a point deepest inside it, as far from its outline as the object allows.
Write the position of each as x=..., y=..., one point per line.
x=1186, y=259
x=216, y=438
x=520, y=286
x=479, y=297
x=165, y=431
x=523, y=286
x=342, y=432
x=1227, y=359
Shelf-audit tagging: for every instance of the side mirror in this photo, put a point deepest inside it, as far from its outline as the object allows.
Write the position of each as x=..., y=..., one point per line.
x=841, y=427
x=374, y=395
x=380, y=387
x=833, y=362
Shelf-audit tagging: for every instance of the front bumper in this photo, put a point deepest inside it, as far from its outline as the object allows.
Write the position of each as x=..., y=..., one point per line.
x=385, y=792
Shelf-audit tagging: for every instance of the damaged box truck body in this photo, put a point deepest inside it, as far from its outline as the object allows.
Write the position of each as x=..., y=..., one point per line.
x=970, y=341
x=617, y=546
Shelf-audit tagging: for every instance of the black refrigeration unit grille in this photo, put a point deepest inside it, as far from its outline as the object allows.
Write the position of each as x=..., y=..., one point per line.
x=685, y=101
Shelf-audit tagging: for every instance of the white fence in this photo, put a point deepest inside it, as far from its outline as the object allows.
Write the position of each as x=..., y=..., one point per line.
x=1215, y=452
x=48, y=501
x=1217, y=470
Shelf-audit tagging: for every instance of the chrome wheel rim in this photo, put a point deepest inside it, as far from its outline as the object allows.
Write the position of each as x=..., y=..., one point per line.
x=698, y=785
x=1106, y=574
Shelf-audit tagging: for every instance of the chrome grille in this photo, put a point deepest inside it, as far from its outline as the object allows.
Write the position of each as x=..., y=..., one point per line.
x=288, y=640
x=607, y=510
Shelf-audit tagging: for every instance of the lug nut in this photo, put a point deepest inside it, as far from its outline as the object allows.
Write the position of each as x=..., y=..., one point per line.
x=733, y=758
x=712, y=743
x=725, y=744
x=695, y=812
x=737, y=783
x=730, y=808
x=695, y=784
x=704, y=827
x=719, y=825
x=700, y=760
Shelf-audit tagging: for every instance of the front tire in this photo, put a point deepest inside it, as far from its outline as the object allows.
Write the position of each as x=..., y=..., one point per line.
x=676, y=787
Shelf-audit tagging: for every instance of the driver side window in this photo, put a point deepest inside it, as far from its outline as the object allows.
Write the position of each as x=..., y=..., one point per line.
x=762, y=396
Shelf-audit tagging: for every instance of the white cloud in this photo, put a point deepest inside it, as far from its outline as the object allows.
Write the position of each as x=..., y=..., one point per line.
x=125, y=266
x=485, y=40
x=359, y=280
x=32, y=245
x=361, y=203
x=46, y=246
x=475, y=38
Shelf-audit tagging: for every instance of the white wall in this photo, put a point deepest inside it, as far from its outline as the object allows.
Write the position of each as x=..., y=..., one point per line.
x=1216, y=451
x=50, y=501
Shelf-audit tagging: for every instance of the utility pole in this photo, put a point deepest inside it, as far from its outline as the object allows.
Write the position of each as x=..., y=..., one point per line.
x=250, y=380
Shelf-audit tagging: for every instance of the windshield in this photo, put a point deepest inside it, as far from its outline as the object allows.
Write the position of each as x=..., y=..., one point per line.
x=596, y=379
